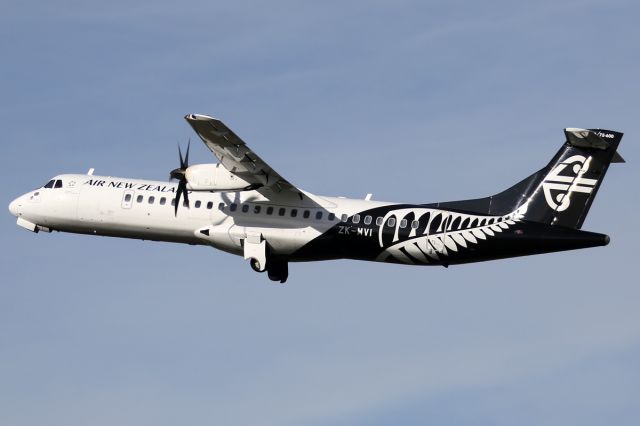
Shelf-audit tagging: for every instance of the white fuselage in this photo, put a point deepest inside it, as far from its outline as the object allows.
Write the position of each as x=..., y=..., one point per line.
x=142, y=209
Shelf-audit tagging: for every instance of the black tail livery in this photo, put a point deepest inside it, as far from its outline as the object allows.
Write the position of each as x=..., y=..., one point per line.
x=562, y=192
x=541, y=214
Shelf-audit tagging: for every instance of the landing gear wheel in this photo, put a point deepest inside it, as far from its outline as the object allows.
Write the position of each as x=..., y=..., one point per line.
x=255, y=265
x=278, y=270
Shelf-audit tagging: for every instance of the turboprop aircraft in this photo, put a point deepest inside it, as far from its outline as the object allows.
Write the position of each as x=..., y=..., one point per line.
x=244, y=207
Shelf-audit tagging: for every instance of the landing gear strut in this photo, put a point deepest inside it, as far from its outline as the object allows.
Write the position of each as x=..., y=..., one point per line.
x=260, y=258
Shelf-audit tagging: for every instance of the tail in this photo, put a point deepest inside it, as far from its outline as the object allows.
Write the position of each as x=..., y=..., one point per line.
x=562, y=192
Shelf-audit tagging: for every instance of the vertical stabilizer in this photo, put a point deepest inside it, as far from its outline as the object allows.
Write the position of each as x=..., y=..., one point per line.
x=561, y=193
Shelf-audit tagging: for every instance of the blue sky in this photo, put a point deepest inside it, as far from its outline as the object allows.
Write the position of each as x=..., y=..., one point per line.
x=412, y=101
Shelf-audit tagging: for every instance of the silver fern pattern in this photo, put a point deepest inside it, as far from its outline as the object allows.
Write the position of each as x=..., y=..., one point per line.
x=439, y=233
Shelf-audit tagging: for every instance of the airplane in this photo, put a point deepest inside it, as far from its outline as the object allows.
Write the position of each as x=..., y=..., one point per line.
x=242, y=206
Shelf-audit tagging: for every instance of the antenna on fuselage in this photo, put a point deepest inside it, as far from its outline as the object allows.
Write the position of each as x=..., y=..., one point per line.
x=90, y=172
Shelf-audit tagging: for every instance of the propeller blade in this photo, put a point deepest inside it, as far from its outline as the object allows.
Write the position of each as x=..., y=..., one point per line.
x=180, y=155
x=180, y=175
x=186, y=194
x=186, y=157
x=176, y=174
x=178, y=193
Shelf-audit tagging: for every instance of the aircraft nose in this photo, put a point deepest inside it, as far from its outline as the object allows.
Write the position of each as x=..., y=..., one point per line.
x=14, y=207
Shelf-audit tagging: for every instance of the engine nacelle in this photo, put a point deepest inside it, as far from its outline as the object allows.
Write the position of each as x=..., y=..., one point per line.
x=214, y=177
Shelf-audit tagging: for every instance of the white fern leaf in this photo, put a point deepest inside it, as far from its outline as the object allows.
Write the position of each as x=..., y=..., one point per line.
x=479, y=234
x=459, y=239
x=468, y=235
x=450, y=243
x=415, y=252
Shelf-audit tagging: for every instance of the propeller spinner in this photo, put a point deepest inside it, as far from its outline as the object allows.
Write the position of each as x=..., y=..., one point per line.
x=180, y=175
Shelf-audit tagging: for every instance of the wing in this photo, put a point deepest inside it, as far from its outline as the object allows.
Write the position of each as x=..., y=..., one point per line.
x=238, y=158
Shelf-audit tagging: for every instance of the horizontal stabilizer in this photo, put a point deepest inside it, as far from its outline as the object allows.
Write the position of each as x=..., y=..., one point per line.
x=617, y=158
x=594, y=139
x=582, y=138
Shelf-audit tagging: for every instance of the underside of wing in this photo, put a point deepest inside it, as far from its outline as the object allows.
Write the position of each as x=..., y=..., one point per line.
x=239, y=159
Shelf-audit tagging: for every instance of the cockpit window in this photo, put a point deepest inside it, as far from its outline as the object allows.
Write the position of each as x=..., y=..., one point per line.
x=58, y=184
x=49, y=184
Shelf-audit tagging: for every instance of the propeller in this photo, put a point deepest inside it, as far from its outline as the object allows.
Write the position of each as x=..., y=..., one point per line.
x=180, y=175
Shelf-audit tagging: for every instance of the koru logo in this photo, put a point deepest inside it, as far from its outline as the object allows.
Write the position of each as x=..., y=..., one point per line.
x=566, y=178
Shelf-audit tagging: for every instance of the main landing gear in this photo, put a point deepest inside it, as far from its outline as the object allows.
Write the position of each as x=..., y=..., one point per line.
x=278, y=270
x=261, y=259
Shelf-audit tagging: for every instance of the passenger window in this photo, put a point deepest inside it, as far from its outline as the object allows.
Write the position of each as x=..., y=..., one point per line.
x=282, y=211
x=58, y=184
x=163, y=201
x=403, y=223
x=233, y=207
x=127, y=198
x=173, y=202
x=221, y=206
x=306, y=214
x=49, y=184
x=198, y=204
x=184, y=203
x=391, y=222
x=356, y=218
x=367, y=220
x=269, y=210
x=379, y=220
x=139, y=199
x=331, y=216
x=209, y=205
x=151, y=200
x=415, y=224
x=256, y=209
x=344, y=218
x=245, y=208
x=294, y=212
x=319, y=215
